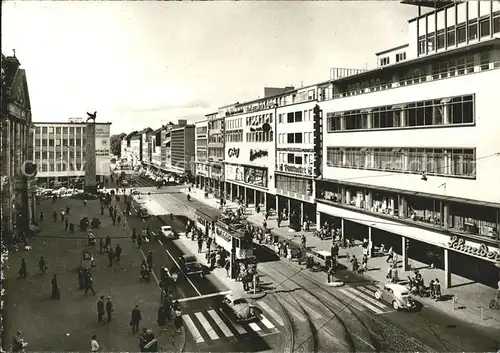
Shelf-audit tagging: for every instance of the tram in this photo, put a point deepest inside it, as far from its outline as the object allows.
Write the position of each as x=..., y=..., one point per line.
x=233, y=237
x=205, y=221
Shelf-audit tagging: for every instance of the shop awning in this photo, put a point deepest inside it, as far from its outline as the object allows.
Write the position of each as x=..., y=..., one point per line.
x=208, y=214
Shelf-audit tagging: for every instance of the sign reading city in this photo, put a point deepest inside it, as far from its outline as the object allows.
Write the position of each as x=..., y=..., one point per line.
x=233, y=152
x=482, y=250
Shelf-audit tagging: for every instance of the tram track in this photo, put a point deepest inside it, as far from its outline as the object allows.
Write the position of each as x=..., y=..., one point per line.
x=386, y=337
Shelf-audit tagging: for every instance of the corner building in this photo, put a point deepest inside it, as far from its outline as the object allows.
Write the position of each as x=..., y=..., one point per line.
x=411, y=151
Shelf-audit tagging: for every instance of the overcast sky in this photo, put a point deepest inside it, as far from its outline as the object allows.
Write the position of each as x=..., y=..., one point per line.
x=142, y=64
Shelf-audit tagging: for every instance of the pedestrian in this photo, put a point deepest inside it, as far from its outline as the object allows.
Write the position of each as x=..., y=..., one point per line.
x=94, y=346
x=107, y=243
x=89, y=283
x=85, y=203
x=142, y=339
x=42, y=216
x=227, y=266
x=135, y=319
x=62, y=216
x=119, y=219
x=102, y=210
x=23, y=272
x=100, y=309
x=200, y=244
x=68, y=208
x=134, y=234
x=139, y=241
x=150, y=260
x=162, y=319
x=330, y=273
x=81, y=279
x=437, y=289
x=66, y=223
x=101, y=245
x=56, y=294
x=54, y=216
x=209, y=242
x=303, y=240
x=178, y=319
x=109, y=308
x=42, y=265
x=278, y=221
x=111, y=255
x=118, y=253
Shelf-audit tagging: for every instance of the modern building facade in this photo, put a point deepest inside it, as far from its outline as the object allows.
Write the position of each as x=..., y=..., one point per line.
x=18, y=180
x=411, y=152
x=129, y=150
x=216, y=150
x=145, y=138
x=60, y=150
x=201, y=152
x=182, y=153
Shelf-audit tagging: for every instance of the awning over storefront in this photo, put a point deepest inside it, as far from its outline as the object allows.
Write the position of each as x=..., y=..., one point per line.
x=425, y=236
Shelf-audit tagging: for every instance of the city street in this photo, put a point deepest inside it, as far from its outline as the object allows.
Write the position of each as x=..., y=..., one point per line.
x=348, y=318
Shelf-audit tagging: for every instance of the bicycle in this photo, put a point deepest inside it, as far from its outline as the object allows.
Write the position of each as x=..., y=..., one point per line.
x=495, y=303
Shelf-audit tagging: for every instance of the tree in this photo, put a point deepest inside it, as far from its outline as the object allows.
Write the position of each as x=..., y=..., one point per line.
x=116, y=145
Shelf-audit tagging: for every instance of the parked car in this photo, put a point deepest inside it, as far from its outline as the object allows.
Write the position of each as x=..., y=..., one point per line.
x=238, y=308
x=124, y=182
x=135, y=192
x=167, y=232
x=397, y=295
x=190, y=266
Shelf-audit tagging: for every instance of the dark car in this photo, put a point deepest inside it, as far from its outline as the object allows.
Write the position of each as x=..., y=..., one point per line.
x=143, y=213
x=190, y=266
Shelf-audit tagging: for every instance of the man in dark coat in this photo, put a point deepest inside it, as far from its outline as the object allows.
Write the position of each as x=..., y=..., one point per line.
x=89, y=283
x=118, y=253
x=111, y=255
x=81, y=279
x=55, y=289
x=136, y=317
x=100, y=309
x=23, y=272
x=150, y=260
x=109, y=308
x=107, y=243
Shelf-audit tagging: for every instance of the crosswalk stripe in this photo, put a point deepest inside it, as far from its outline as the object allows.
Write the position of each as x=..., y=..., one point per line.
x=220, y=323
x=206, y=325
x=271, y=312
x=356, y=298
x=192, y=328
x=254, y=326
x=267, y=323
x=366, y=297
x=372, y=288
x=294, y=312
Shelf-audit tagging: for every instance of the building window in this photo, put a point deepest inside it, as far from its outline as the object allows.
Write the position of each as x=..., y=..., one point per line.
x=421, y=45
x=496, y=22
x=51, y=130
x=450, y=33
x=58, y=142
x=38, y=142
x=51, y=167
x=58, y=130
x=440, y=39
x=71, y=131
x=38, y=130
x=484, y=61
x=461, y=33
x=400, y=57
x=51, y=142
x=484, y=27
x=473, y=29
x=431, y=42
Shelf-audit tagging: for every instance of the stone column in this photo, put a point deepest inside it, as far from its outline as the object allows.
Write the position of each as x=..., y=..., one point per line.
x=318, y=220
x=347, y=196
x=301, y=213
x=342, y=227
x=447, y=271
x=404, y=253
x=245, y=193
x=277, y=205
x=289, y=209
x=255, y=201
x=446, y=213
x=265, y=200
x=369, y=200
x=90, y=160
x=370, y=244
x=402, y=207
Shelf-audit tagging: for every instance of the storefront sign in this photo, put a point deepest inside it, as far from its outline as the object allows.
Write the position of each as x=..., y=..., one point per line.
x=235, y=173
x=255, y=154
x=233, y=152
x=296, y=169
x=256, y=176
x=482, y=250
x=223, y=234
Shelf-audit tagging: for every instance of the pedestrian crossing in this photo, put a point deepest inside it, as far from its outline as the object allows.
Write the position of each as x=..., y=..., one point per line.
x=363, y=297
x=213, y=325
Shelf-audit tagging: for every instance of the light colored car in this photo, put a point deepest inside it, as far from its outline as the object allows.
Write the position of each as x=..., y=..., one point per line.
x=135, y=192
x=167, y=232
x=397, y=295
x=238, y=308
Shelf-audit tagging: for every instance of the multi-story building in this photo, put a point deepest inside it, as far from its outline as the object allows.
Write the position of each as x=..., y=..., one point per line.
x=295, y=145
x=250, y=152
x=411, y=152
x=145, y=138
x=201, y=152
x=155, y=141
x=215, y=144
x=135, y=149
x=60, y=151
x=127, y=152
x=182, y=150
x=17, y=172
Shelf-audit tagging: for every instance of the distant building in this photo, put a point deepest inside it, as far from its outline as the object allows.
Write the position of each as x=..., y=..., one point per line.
x=182, y=149
x=60, y=151
x=201, y=152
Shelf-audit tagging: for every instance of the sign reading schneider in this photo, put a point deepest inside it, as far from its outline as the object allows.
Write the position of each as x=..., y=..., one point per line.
x=482, y=250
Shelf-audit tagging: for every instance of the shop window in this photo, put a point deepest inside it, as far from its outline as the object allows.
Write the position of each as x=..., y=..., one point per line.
x=473, y=29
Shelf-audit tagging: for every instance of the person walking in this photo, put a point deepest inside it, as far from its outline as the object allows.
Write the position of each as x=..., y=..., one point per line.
x=100, y=309
x=94, y=346
x=55, y=289
x=135, y=319
x=81, y=279
x=109, y=308
x=118, y=253
x=111, y=255
x=23, y=272
x=107, y=243
x=200, y=244
x=42, y=216
x=139, y=241
x=42, y=265
x=89, y=283
x=150, y=260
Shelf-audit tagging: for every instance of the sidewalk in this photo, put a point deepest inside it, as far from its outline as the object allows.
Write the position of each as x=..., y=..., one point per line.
x=472, y=299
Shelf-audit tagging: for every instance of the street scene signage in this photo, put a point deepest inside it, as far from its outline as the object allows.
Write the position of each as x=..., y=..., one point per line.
x=482, y=250
x=256, y=176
